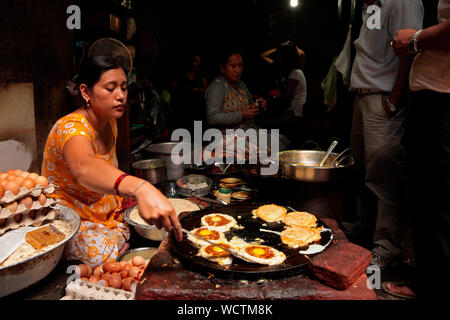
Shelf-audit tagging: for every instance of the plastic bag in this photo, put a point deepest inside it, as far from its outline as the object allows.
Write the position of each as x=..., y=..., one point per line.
x=328, y=85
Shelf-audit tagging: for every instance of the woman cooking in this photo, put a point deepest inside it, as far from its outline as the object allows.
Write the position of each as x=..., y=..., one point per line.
x=80, y=158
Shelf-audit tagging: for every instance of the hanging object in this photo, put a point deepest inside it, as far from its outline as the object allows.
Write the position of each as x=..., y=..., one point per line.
x=114, y=48
x=131, y=28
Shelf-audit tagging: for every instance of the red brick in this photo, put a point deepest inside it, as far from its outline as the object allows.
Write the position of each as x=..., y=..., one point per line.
x=340, y=265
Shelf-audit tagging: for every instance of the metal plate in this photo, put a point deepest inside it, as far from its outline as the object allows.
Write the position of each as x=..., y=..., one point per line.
x=294, y=263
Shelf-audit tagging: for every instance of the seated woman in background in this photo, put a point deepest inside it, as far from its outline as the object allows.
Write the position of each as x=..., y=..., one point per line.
x=291, y=93
x=229, y=104
x=80, y=158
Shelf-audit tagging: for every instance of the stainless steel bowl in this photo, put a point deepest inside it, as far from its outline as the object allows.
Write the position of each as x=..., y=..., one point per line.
x=152, y=170
x=310, y=171
x=145, y=231
x=147, y=253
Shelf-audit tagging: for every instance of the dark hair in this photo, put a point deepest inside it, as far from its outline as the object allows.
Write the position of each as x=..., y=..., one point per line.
x=287, y=58
x=226, y=54
x=92, y=69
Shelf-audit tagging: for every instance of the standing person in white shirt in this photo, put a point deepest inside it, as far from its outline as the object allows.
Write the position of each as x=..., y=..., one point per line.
x=428, y=135
x=380, y=80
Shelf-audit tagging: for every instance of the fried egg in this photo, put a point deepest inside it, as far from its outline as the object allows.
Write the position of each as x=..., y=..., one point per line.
x=300, y=219
x=270, y=212
x=218, y=221
x=299, y=236
x=206, y=233
x=217, y=254
x=262, y=254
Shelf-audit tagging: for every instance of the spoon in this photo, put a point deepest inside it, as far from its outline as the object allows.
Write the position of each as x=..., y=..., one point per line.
x=330, y=149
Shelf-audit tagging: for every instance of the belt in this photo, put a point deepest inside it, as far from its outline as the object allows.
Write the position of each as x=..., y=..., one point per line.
x=364, y=91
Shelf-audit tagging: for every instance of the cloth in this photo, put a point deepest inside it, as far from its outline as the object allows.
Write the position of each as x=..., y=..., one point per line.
x=224, y=104
x=329, y=85
x=376, y=64
x=376, y=145
x=101, y=214
x=299, y=97
x=428, y=135
x=431, y=68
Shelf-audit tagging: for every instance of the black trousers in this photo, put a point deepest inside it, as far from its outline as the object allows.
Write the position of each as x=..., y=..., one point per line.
x=427, y=146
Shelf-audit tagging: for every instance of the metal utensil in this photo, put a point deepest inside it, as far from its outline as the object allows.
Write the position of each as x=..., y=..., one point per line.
x=221, y=202
x=341, y=156
x=330, y=149
x=231, y=251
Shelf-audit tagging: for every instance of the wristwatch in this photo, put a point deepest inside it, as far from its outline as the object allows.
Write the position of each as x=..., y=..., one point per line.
x=413, y=45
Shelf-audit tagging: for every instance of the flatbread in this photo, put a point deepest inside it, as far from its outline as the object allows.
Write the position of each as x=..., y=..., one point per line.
x=270, y=212
x=300, y=219
x=299, y=236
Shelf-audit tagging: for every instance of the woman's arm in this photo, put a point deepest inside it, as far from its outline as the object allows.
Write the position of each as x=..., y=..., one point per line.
x=98, y=175
x=265, y=55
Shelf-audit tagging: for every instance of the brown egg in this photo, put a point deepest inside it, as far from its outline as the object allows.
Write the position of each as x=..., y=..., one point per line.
x=139, y=276
x=138, y=261
x=42, y=199
x=27, y=202
x=111, y=267
x=11, y=177
x=122, y=263
x=10, y=171
x=105, y=276
x=18, y=218
x=41, y=180
x=2, y=192
x=19, y=180
x=98, y=271
x=3, y=176
x=133, y=272
x=103, y=283
x=11, y=206
x=93, y=279
x=18, y=172
x=84, y=270
x=28, y=183
x=13, y=187
x=32, y=176
x=25, y=174
x=124, y=274
x=127, y=283
x=115, y=280
x=3, y=183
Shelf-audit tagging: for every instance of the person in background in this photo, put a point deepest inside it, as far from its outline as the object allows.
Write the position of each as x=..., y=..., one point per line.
x=291, y=92
x=80, y=158
x=229, y=103
x=380, y=80
x=189, y=89
x=428, y=135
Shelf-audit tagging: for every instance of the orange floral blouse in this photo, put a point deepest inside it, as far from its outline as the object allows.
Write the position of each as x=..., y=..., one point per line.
x=90, y=205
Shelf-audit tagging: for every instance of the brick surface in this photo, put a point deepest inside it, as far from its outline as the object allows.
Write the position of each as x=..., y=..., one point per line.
x=341, y=264
x=167, y=279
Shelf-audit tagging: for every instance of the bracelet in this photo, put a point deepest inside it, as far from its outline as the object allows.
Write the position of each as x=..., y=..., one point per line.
x=134, y=192
x=414, y=39
x=118, y=181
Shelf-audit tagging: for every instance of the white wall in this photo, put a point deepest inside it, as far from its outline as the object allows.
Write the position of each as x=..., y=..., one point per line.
x=17, y=127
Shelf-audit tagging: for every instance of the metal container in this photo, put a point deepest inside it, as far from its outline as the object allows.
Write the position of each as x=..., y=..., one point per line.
x=152, y=170
x=164, y=151
x=145, y=231
x=25, y=273
x=194, y=179
x=147, y=253
x=310, y=171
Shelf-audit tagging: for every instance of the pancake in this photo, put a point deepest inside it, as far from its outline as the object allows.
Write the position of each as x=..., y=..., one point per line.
x=231, y=180
x=270, y=213
x=218, y=221
x=300, y=219
x=206, y=233
x=216, y=254
x=299, y=236
x=262, y=254
x=240, y=195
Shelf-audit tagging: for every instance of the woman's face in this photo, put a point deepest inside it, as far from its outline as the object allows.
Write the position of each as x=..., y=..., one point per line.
x=196, y=63
x=232, y=70
x=109, y=94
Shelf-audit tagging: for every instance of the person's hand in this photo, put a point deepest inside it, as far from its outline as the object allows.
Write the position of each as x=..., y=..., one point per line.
x=262, y=103
x=401, y=42
x=156, y=210
x=250, y=111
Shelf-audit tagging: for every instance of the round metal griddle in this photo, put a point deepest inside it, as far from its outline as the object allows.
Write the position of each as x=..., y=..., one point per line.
x=294, y=263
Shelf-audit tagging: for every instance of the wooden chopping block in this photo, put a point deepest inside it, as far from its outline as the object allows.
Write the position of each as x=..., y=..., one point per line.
x=341, y=264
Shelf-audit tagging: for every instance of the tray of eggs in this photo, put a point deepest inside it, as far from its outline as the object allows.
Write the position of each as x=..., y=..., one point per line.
x=24, y=200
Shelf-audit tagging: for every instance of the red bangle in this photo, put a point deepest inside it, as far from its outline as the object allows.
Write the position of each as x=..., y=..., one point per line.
x=118, y=181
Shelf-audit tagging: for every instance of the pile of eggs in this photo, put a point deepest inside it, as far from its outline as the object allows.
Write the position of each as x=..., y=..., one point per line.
x=13, y=180
x=119, y=275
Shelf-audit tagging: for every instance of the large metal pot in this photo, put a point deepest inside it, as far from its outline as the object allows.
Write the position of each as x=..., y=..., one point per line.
x=25, y=273
x=164, y=151
x=310, y=171
x=152, y=170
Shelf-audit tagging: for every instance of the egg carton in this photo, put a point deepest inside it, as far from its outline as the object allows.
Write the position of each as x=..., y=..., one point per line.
x=9, y=197
x=84, y=290
x=5, y=213
x=43, y=214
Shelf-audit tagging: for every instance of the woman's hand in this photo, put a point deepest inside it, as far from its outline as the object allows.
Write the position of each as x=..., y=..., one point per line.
x=155, y=209
x=250, y=111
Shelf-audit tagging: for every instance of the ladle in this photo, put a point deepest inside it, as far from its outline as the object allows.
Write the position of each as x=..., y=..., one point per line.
x=330, y=149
